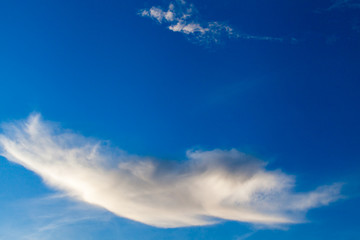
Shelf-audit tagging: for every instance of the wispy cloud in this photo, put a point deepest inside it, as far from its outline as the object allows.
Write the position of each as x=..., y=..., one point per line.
x=207, y=187
x=344, y=4
x=62, y=214
x=245, y=236
x=49, y=217
x=184, y=18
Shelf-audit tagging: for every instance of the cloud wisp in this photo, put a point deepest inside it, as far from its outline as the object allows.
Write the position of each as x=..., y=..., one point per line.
x=344, y=4
x=184, y=18
x=49, y=217
x=208, y=187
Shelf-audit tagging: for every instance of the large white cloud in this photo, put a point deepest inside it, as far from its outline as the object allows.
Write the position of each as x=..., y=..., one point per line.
x=207, y=187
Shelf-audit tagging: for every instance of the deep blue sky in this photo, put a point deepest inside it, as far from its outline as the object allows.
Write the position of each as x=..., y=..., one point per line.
x=104, y=71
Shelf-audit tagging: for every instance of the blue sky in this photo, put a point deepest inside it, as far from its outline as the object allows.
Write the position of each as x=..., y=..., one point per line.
x=179, y=120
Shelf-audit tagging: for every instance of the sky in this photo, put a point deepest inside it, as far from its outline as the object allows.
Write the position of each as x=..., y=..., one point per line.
x=179, y=119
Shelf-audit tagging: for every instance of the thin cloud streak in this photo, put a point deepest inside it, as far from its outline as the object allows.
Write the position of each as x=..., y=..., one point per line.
x=49, y=217
x=344, y=4
x=184, y=18
x=208, y=187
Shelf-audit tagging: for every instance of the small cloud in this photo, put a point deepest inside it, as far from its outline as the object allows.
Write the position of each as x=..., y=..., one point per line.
x=344, y=4
x=208, y=187
x=356, y=27
x=331, y=40
x=184, y=18
x=245, y=236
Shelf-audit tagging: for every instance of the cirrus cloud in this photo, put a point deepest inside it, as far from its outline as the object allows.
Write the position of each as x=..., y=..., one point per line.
x=184, y=18
x=208, y=187
x=344, y=4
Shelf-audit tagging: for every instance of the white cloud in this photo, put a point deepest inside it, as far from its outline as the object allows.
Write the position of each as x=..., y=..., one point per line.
x=207, y=187
x=182, y=17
